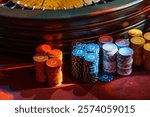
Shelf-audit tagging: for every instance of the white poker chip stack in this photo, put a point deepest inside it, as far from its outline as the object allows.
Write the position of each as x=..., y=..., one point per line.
x=109, y=57
x=124, y=61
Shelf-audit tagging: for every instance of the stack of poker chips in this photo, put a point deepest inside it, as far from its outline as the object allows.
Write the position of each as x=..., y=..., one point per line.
x=77, y=62
x=91, y=63
x=85, y=62
x=147, y=37
x=54, y=71
x=137, y=45
x=109, y=57
x=122, y=43
x=124, y=61
x=48, y=65
x=146, y=56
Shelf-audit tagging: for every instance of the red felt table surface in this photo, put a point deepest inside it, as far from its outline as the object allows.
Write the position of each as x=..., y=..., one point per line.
x=20, y=84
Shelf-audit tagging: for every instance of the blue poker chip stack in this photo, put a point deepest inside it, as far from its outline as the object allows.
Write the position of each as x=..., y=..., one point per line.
x=106, y=77
x=91, y=67
x=77, y=62
x=85, y=62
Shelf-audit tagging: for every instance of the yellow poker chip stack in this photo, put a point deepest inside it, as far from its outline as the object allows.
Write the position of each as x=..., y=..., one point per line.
x=135, y=33
x=137, y=45
x=147, y=37
x=146, y=56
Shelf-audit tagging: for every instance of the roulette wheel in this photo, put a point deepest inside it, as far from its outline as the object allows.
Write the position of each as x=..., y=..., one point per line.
x=24, y=24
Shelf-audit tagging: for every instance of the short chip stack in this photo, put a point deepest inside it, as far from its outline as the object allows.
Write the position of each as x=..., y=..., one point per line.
x=137, y=45
x=109, y=57
x=124, y=61
x=48, y=65
x=146, y=56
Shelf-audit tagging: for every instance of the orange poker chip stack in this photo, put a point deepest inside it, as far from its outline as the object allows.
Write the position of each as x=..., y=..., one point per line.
x=146, y=56
x=48, y=65
x=137, y=45
x=54, y=71
x=55, y=53
x=43, y=49
x=39, y=63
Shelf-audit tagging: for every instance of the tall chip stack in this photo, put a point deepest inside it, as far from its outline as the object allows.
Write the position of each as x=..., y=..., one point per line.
x=137, y=45
x=91, y=63
x=147, y=37
x=91, y=67
x=103, y=39
x=39, y=63
x=124, y=61
x=109, y=57
x=54, y=71
x=77, y=62
x=146, y=56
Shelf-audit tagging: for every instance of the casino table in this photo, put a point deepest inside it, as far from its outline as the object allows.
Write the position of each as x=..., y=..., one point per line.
x=18, y=83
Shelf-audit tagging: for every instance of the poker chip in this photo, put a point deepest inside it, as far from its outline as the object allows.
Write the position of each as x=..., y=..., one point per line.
x=126, y=52
x=43, y=49
x=109, y=49
x=105, y=39
x=124, y=71
x=122, y=43
x=91, y=57
x=106, y=77
x=78, y=52
x=55, y=53
x=80, y=46
x=135, y=33
x=92, y=47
